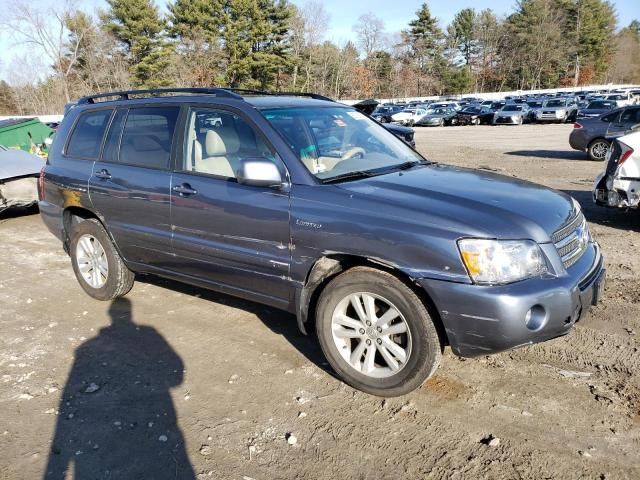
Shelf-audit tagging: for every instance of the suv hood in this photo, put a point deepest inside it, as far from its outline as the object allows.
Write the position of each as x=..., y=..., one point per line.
x=468, y=202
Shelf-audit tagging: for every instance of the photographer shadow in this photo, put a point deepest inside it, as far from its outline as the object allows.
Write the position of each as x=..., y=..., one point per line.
x=116, y=417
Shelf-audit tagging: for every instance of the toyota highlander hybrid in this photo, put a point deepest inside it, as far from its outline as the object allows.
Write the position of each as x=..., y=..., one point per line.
x=309, y=206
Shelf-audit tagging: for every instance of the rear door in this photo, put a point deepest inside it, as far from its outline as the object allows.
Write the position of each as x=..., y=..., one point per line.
x=226, y=233
x=130, y=184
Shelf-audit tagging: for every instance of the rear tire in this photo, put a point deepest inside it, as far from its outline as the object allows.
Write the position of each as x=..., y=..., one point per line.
x=361, y=353
x=598, y=149
x=99, y=269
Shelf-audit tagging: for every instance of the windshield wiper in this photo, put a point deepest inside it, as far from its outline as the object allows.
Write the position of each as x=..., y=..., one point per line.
x=350, y=176
x=408, y=165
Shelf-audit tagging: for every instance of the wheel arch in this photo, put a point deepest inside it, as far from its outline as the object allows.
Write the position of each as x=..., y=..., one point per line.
x=329, y=266
x=74, y=215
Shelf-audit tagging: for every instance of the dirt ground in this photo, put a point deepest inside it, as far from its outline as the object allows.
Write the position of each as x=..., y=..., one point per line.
x=177, y=382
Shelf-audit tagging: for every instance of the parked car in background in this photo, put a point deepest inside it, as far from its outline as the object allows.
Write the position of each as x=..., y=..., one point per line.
x=619, y=184
x=597, y=108
x=369, y=106
x=455, y=105
x=474, y=115
x=557, y=110
x=19, y=171
x=512, y=114
x=311, y=207
x=383, y=113
x=495, y=106
x=408, y=116
x=621, y=99
x=438, y=117
x=594, y=135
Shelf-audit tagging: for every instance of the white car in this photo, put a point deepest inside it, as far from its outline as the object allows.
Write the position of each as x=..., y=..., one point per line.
x=621, y=99
x=19, y=172
x=619, y=184
x=408, y=116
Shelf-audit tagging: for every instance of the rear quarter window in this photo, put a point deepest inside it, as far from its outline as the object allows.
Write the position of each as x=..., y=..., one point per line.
x=87, y=134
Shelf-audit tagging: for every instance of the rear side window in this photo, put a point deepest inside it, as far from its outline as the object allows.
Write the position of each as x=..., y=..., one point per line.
x=87, y=134
x=147, y=136
x=611, y=117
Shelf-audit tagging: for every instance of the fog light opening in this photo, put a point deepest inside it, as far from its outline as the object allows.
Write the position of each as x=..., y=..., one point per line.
x=535, y=318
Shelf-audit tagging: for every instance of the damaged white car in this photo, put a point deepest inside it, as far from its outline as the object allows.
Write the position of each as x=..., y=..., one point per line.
x=619, y=184
x=19, y=172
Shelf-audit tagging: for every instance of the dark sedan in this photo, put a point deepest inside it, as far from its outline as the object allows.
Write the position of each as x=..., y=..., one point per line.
x=438, y=117
x=594, y=135
x=475, y=115
x=597, y=108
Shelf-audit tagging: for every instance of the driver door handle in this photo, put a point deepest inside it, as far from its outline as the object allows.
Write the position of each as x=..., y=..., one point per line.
x=185, y=190
x=103, y=174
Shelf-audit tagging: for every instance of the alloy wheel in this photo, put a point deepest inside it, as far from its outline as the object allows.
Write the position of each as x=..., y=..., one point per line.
x=371, y=334
x=91, y=260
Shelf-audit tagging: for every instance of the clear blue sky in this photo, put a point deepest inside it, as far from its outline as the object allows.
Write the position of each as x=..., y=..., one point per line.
x=344, y=13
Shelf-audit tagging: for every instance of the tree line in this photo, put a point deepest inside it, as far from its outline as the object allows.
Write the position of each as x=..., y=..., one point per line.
x=275, y=45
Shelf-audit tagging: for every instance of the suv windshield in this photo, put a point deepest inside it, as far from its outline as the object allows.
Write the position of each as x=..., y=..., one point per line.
x=339, y=142
x=555, y=103
x=512, y=108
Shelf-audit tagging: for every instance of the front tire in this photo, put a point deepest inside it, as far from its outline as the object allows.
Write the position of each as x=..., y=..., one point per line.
x=376, y=332
x=99, y=269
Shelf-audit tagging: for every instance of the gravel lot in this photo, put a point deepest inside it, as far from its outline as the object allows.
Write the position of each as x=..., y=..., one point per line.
x=177, y=382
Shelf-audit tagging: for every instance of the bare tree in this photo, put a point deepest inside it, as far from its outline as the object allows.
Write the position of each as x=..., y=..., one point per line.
x=43, y=27
x=370, y=33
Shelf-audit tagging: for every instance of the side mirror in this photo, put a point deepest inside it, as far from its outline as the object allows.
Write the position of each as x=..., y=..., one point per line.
x=259, y=172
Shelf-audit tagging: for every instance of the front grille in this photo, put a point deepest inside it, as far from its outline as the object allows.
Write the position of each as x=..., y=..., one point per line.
x=571, y=240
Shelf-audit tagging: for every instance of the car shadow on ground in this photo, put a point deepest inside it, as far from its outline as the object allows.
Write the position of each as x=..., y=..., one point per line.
x=550, y=154
x=608, y=217
x=278, y=321
x=116, y=417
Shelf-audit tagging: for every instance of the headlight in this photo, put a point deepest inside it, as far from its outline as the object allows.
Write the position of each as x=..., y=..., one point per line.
x=501, y=261
x=560, y=113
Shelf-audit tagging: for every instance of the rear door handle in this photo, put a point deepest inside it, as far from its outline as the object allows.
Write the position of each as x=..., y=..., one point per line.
x=184, y=190
x=104, y=174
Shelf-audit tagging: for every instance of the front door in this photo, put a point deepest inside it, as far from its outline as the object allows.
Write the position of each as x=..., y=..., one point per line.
x=225, y=233
x=630, y=117
x=130, y=185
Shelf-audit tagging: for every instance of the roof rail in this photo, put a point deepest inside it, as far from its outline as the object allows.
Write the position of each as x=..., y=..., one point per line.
x=281, y=94
x=235, y=93
x=124, y=95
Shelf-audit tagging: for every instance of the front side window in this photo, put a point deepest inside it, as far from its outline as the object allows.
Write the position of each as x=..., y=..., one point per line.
x=87, y=135
x=147, y=136
x=217, y=141
x=337, y=141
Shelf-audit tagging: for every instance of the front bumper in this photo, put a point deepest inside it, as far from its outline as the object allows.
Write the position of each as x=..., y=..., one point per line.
x=506, y=121
x=480, y=320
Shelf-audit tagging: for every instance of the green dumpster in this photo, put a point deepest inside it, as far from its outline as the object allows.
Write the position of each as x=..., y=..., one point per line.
x=26, y=134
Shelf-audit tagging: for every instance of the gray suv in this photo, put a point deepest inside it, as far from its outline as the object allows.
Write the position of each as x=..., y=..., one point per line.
x=309, y=206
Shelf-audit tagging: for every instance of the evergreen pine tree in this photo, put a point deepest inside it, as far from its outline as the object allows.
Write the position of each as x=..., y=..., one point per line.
x=138, y=26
